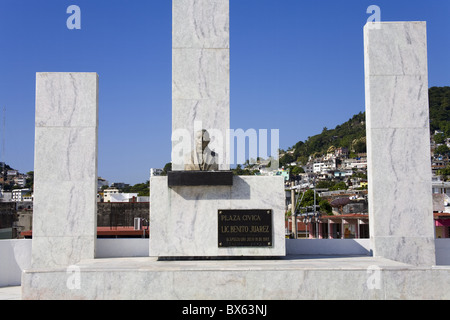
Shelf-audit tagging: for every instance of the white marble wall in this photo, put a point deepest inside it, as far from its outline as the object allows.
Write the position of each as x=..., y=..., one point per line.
x=200, y=74
x=65, y=168
x=398, y=142
x=184, y=220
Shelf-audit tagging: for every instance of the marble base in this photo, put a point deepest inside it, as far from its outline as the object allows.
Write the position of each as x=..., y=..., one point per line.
x=184, y=219
x=293, y=277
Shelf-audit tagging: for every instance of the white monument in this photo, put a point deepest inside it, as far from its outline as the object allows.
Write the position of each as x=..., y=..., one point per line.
x=65, y=169
x=209, y=213
x=193, y=212
x=398, y=142
x=200, y=75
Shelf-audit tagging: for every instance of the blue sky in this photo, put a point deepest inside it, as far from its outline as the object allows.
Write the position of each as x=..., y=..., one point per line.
x=296, y=66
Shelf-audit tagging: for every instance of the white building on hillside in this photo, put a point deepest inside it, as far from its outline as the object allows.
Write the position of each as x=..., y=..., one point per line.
x=21, y=195
x=107, y=193
x=123, y=197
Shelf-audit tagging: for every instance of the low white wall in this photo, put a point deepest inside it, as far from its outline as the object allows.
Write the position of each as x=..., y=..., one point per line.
x=115, y=248
x=328, y=246
x=442, y=252
x=15, y=255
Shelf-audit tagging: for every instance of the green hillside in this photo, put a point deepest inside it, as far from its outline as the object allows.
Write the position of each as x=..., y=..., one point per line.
x=352, y=134
x=439, y=98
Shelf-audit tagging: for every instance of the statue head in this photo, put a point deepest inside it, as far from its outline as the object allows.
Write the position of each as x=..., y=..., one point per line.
x=202, y=139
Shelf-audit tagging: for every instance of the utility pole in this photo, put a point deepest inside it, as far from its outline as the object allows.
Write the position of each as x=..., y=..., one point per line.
x=314, y=209
x=293, y=213
x=2, y=159
x=3, y=134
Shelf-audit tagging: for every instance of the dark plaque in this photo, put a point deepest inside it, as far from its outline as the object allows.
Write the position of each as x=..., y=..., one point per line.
x=200, y=178
x=245, y=228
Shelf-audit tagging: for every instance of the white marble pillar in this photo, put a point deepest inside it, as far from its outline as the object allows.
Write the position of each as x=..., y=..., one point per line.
x=65, y=169
x=398, y=142
x=200, y=76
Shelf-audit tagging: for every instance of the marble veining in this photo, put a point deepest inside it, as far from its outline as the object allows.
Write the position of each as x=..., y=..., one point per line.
x=200, y=74
x=185, y=219
x=398, y=101
x=398, y=148
x=200, y=24
x=65, y=154
x=200, y=93
x=63, y=99
x=396, y=48
x=65, y=193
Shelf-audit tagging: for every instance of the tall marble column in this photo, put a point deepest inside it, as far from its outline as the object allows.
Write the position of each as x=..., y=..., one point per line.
x=200, y=77
x=398, y=142
x=65, y=169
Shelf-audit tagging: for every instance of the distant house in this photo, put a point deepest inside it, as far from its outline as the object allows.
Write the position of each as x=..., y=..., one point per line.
x=155, y=172
x=20, y=180
x=12, y=173
x=114, y=195
x=441, y=187
x=360, y=163
x=21, y=195
x=5, y=196
x=318, y=167
x=341, y=152
x=107, y=193
x=308, y=168
x=123, y=197
x=343, y=173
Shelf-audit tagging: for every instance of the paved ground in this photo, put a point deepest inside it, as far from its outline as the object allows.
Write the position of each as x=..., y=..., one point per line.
x=11, y=293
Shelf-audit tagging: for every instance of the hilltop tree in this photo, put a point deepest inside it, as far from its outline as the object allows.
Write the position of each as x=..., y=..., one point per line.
x=308, y=201
x=167, y=168
x=442, y=150
x=439, y=101
x=29, y=183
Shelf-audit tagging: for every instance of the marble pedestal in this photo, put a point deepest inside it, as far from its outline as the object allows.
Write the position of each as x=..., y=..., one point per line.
x=184, y=219
x=292, y=277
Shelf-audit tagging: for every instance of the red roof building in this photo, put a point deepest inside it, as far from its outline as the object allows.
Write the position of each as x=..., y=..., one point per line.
x=109, y=232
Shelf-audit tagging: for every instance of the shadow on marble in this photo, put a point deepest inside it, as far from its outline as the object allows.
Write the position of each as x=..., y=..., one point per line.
x=196, y=193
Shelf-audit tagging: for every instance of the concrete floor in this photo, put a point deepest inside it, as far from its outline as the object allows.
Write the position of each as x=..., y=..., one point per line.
x=11, y=293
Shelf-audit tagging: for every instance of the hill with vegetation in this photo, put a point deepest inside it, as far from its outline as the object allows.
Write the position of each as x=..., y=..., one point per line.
x=352, y=133
x=439, y=98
